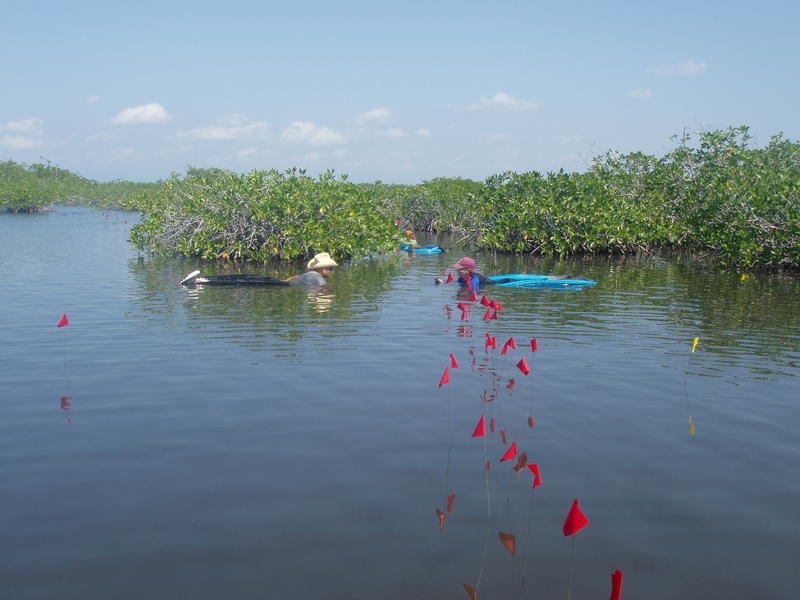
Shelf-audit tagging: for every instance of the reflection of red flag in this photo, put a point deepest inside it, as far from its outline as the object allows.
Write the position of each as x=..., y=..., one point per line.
x=494, y=305
x=449, y=278
x=503, y=438
x=504, y=351
x=453, y=361
x=494, y=315
x=510, y=453
x=575, y=521
x=484, y=300
x=522, y=460
x=464, y=314
x=66, y=402
x=63, y=321
x=522, y=365
x=509, y=541
x=487, y=315
x=488, y=465
x=616, y=585
x=471, y=591
x=480, y=428
x=494, y=343
x=445, y=377
x=531, y=422
x=442, y=517
x=511, y=384
x=536, y=479
x=461, y=306
x=534, y=345
x=473, y=297
x=450, y=501
x=491, y=425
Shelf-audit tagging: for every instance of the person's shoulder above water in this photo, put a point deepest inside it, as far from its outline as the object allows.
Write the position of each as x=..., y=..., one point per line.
x=319, y=269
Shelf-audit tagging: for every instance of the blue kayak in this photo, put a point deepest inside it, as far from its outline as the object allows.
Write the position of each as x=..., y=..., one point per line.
x=429, y=249
x=530, y=281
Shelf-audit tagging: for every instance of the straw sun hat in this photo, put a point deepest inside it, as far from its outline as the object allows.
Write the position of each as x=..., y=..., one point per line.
x=320, y=261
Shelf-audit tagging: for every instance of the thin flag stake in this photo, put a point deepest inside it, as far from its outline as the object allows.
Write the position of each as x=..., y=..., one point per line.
x=571, y=568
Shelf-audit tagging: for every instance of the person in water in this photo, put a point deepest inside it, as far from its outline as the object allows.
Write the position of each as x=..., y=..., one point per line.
x=319, y=269
x=467, y=277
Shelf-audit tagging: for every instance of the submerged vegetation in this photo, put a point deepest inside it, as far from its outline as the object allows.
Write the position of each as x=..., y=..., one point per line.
x=714, y=196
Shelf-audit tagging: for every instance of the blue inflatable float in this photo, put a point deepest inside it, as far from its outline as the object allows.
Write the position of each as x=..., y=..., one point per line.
x=530, y=281
x=429, y=249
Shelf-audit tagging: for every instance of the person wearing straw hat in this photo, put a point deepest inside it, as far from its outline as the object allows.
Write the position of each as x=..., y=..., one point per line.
x=319, y=269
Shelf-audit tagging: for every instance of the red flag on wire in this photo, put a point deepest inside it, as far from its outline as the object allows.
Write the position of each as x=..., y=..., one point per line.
x=536, y=479
x=512, y=343
x=510, y=453
x=531, y=422
x=534, y=345
x=522, y=365
x=487, y=315
x=494, y=343
x=63, y=321
x=449, y=278
x=445, y=377
x=453, y=361
x=494, y=305
x=575, y=521
x=616, y=585
x=473, y=297
x=484, y=300
x=504, y=351
x=480, y=428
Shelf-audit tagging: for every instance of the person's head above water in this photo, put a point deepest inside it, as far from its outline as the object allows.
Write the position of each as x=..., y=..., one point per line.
x=465, y=264
x=322, y=263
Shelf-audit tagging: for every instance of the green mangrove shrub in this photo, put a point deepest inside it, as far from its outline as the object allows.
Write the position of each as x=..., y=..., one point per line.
x=265, y=215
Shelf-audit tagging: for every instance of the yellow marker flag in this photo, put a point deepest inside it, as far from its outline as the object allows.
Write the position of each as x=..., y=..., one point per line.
x=743, y=277
x=696, y=340
x=691, y=426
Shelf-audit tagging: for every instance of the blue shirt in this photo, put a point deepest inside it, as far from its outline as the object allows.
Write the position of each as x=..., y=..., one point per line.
x=474, y=279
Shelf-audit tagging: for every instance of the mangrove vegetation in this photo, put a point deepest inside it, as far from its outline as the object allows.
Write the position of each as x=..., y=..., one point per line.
x=714, y=195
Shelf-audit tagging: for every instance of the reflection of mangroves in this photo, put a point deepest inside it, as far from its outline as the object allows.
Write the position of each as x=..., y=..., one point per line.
x=355, y=291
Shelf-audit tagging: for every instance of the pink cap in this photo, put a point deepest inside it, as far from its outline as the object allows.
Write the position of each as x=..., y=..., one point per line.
x=465, y=263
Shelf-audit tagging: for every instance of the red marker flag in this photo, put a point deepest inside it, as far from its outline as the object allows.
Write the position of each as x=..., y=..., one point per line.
x=453, y=361
x=575, y=521
x=494, y=305
x=616, y=585
x=522, y=460
x=449, y=278
x=536, y=479
x=66, y=402
x=534, y=345
x=510, y=453
x=484, y=300
x=522, y=365
x=471, y=591
x=487, y=315
x=473, y=297
x=63, y=321
x=461, y=306
x=509, y=541
x=451, y=499
x=494, y=343
x=512, y=343
x=445, y=377
x=480, y=428
x=503, y=438
x=504, y=351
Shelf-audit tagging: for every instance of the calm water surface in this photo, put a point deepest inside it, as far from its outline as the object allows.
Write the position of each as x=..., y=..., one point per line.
x=270, y=443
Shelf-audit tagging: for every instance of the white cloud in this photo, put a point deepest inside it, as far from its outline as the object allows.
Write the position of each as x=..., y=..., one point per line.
x=241, y=131
x=423, y=132
x=687, y=68
x=30, y=126
x=306, y=132
x=378, y=115
x=503, y=101
x=145, y=113
x=17, y=142
x=394, y=133
x=640, y=94
x=245, y=152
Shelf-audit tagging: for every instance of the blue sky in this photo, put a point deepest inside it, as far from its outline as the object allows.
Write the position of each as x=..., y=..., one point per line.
x=400, y=92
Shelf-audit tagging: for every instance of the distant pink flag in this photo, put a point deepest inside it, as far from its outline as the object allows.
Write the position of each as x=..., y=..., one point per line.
x=66, y=402
x=494, y=316
x=473, y=297
x=484, y=300
x=63, y=321
x=575, y=521
x=522, y=365
x=453, y=361
x=512, y=343
x=536, y=479
x=488, y=315
x=449, y=278
x=445, y=377
x=534, y=345
x=480, y=428
x=510, y=453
